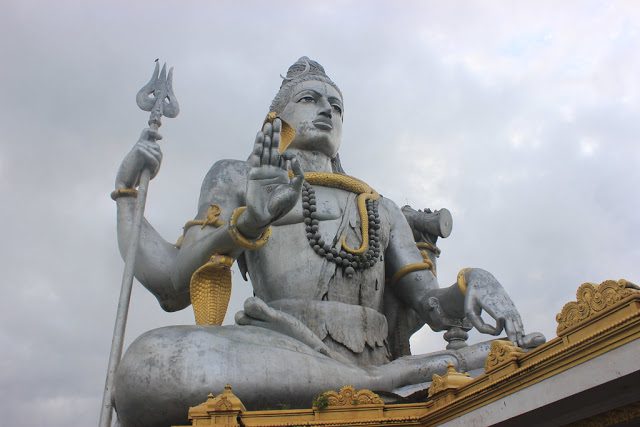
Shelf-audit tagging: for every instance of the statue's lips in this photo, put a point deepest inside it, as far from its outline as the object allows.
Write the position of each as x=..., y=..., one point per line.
x=323, y=124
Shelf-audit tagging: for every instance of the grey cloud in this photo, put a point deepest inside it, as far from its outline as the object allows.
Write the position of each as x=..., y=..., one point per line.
x=437, y=114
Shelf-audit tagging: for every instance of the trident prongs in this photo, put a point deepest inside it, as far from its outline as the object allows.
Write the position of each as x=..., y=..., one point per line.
x=157, y=96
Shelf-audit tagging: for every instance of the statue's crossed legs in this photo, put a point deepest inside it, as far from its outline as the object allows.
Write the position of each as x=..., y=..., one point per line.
x=167, y=370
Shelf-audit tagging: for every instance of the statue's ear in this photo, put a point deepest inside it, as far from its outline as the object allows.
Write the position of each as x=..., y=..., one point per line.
x=286, y=134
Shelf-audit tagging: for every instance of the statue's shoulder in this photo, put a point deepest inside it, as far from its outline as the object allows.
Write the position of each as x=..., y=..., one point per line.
x=226, y=179
x=227, y=171
x=388, y=206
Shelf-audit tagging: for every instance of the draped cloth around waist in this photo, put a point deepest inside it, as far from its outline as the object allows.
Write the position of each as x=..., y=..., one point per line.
x=352, y=326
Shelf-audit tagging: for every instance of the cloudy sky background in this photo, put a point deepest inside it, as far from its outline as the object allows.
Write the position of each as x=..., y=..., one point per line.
x=523, y=120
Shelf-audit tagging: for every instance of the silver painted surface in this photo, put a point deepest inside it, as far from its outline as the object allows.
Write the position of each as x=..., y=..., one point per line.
x=310, y=327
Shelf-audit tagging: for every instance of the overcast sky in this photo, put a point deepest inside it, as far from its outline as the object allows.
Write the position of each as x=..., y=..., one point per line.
x=522, y=120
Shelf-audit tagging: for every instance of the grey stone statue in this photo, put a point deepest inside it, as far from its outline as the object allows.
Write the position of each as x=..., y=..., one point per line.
x=324, y=314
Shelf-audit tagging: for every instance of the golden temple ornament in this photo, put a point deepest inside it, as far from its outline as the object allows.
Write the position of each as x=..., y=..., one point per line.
x=591, y=300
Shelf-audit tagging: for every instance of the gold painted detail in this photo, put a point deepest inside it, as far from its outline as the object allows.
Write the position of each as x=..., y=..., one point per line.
x=429, y=246
x=287, y=133
x=224, y=408
x=426, y=258
x=592, y=299
x=338, y=180
x=124, y=192
x=616, y=326
x=361, y=201
x=212, y=219
x=462, y=280
x=409, y=268
x=451, y=380
x=501, y=353
x=353, y=185
x=210, y=290
x=241, y=240
x=349, y=396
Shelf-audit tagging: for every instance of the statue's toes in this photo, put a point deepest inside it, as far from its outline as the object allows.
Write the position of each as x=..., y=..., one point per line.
x=533, y=339
x=258, y=309
x=242, y=319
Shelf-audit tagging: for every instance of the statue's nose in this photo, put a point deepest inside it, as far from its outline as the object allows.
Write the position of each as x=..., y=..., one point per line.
x=325, y=108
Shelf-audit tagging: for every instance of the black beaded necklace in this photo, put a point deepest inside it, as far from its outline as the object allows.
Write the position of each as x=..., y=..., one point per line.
x=349, y=262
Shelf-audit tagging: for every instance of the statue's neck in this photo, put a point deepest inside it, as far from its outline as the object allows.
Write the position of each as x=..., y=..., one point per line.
x=312, y=161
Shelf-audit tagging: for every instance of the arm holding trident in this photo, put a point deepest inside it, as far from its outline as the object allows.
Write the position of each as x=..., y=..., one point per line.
x=165, y=269
x=158, y=98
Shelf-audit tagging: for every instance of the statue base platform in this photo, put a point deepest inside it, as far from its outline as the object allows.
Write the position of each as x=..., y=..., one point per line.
x=589, y=375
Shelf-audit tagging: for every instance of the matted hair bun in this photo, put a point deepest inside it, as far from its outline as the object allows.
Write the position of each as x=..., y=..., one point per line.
x=303, y=69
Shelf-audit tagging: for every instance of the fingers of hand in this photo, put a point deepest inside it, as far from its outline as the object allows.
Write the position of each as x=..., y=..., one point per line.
x=152, y=158
x=277, y=125
x=256, y=153
x=151, y=147
x=481, y=326
x=517, y=322
x=275, y=155
x=267, y=131
x=266, y=151
x=298, y=175
x=149, y=134
x=296, y=168
x=512, y=332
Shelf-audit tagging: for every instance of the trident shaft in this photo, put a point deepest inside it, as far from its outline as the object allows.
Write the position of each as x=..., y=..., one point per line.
x=158, y=98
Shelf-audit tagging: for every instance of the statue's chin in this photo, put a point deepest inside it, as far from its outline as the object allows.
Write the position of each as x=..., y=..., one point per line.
x=322, y=143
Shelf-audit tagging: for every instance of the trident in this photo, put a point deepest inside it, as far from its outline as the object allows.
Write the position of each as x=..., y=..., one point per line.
x=158, y=98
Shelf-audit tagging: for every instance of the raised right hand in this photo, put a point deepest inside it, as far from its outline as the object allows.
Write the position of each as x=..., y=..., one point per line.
x=145, y=154
x=270, y=193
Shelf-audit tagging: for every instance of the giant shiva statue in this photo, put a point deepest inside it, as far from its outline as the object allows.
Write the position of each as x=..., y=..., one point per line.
x=339, y=282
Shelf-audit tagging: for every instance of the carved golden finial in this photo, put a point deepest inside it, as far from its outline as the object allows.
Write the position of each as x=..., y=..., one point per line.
x=592, y=299
x=347, y=396
x=501, y=353
x=451, y=380
x=226, y=402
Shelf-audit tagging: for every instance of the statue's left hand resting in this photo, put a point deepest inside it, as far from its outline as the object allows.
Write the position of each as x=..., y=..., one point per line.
x=270, y=193
x=485, y=293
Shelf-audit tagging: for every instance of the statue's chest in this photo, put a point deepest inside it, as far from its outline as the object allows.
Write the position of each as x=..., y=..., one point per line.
x=330, y=204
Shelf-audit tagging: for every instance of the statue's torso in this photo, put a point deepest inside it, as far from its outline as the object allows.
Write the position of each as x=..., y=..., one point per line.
x=288, y=268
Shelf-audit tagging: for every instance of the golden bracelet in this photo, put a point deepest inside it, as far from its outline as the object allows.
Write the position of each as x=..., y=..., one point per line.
x=241, y=240
x=124, y=192
x=462, y=280
x=409, y=268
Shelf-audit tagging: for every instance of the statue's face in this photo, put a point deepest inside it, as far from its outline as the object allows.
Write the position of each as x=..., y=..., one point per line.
x=315, y=112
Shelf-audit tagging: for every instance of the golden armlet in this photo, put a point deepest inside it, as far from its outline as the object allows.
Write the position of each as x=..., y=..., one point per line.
x=409, y=268
x=124, y=192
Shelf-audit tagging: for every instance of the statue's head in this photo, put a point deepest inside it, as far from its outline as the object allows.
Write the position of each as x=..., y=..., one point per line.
x=312, y=104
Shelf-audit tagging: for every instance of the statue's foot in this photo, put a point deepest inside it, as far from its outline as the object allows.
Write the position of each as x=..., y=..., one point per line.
x=258, y=313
